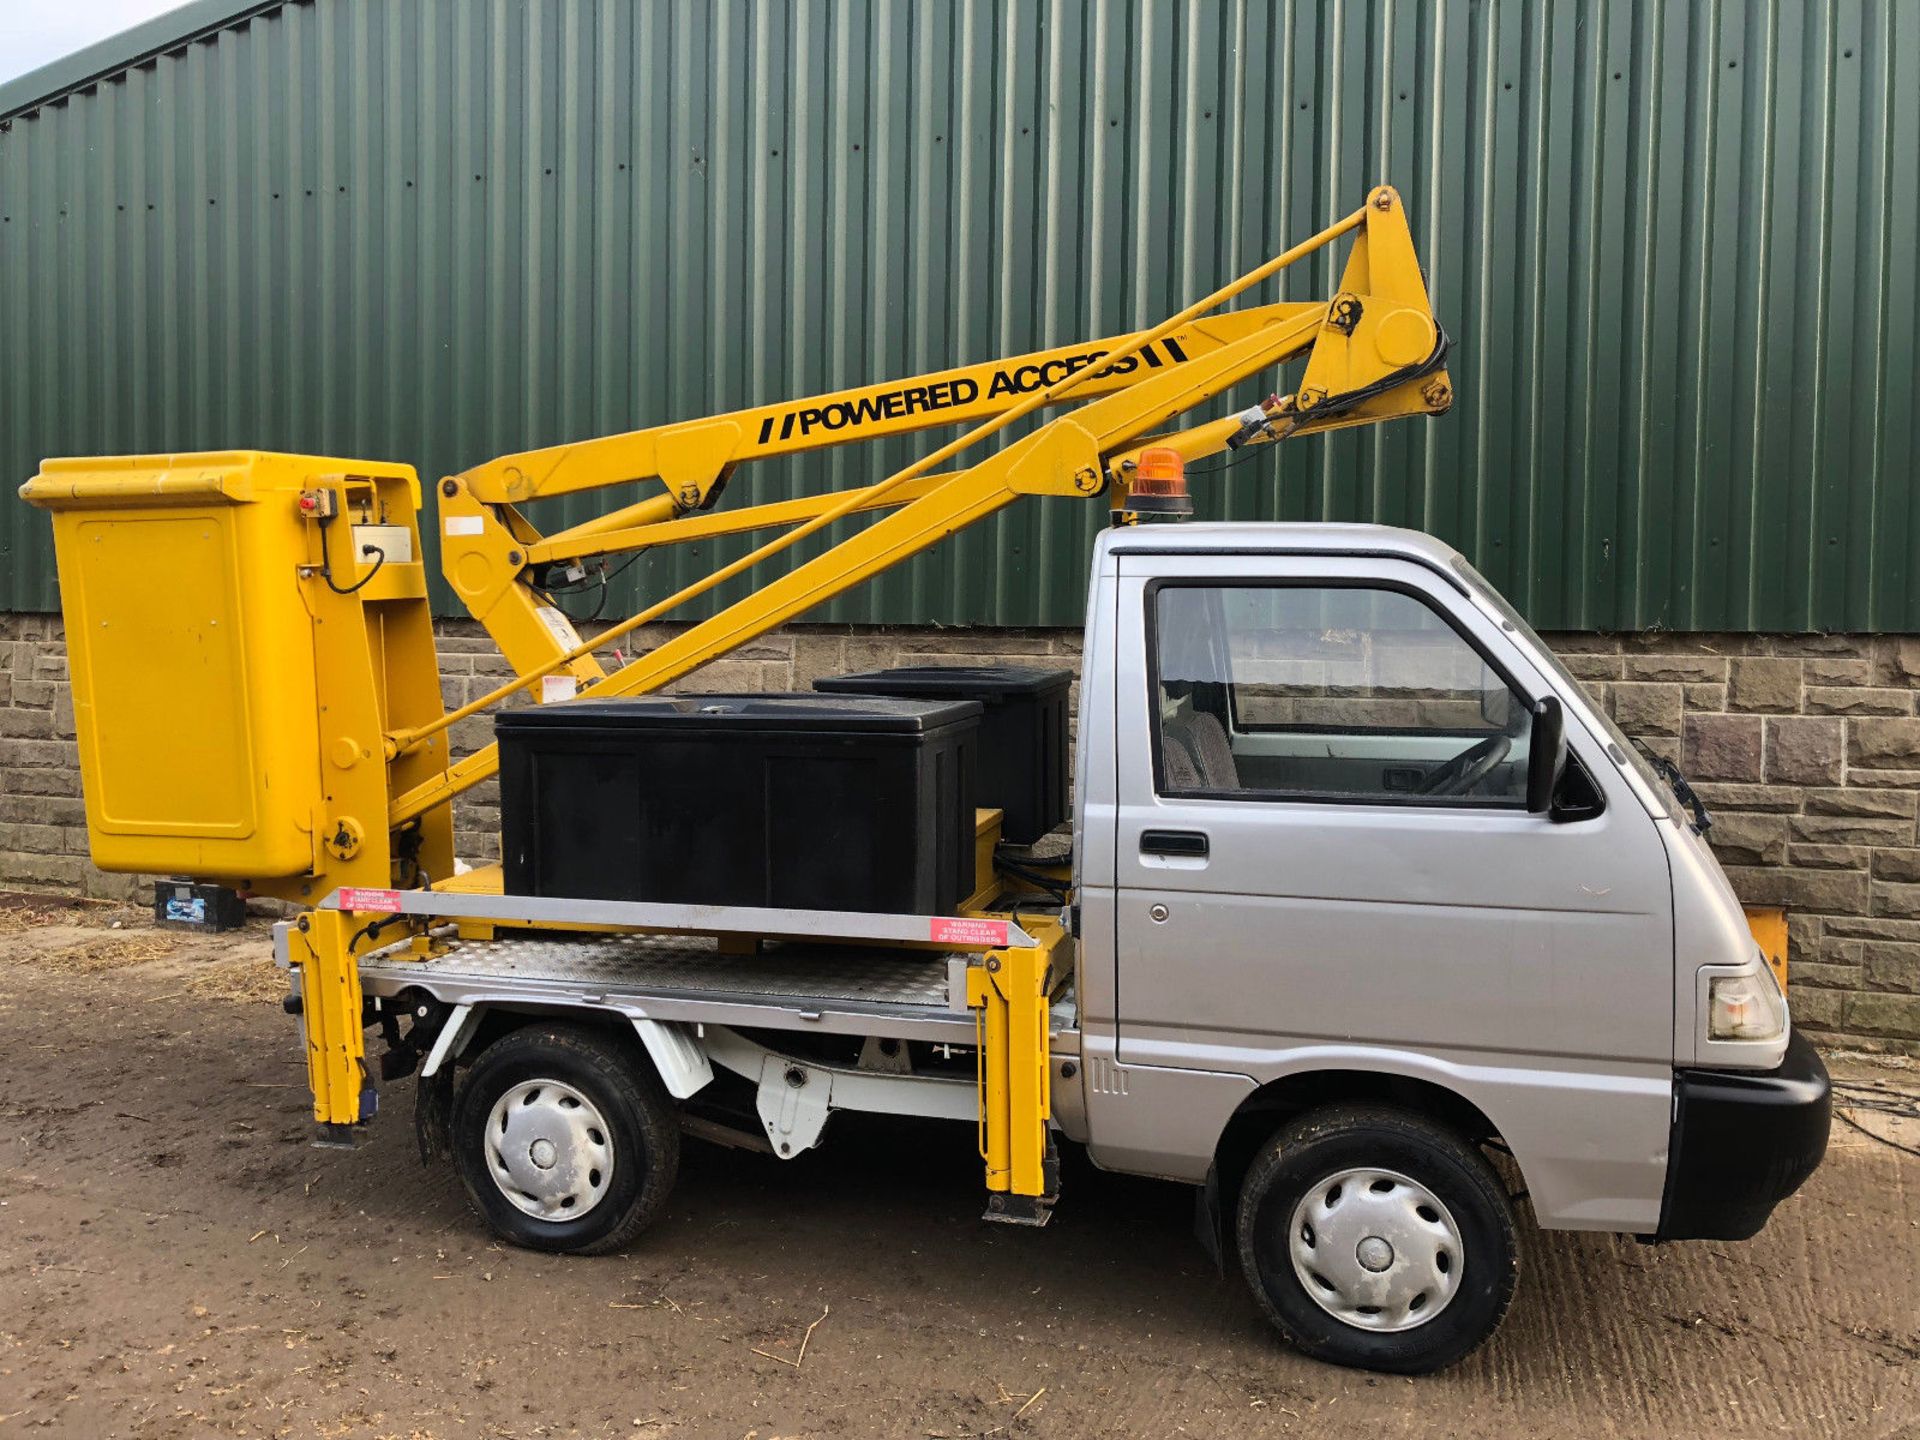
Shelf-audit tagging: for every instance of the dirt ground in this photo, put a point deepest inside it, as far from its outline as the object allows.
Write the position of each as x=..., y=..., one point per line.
x=176, y=1260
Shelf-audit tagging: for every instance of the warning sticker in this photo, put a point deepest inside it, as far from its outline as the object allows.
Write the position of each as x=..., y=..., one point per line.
x=386, y=902
x=953, y=930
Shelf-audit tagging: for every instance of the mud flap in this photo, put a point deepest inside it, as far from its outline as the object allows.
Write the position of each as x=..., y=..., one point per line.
x=433, y=1116
x=1208, y=1225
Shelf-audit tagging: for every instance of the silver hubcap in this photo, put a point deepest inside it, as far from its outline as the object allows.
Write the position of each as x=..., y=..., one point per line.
x=1375, y=1249
x=549, y=1150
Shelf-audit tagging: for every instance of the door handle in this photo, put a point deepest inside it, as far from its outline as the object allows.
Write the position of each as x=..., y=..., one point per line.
x=1191, y=844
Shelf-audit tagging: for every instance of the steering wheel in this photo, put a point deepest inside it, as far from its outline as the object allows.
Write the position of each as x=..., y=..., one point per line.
x=1467, y=769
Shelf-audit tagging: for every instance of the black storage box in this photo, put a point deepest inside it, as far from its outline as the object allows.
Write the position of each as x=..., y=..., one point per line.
x=1023, y=733
x=191, y=905
x=810, y=802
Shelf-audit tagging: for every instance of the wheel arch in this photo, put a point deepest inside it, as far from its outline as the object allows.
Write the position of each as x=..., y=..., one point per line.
x=1279, y=1100
x=493, y=1021
x=496, y=1020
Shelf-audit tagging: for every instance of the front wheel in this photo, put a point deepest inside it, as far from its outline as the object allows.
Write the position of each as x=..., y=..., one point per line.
x=566, y=1140
x=1375, y=1238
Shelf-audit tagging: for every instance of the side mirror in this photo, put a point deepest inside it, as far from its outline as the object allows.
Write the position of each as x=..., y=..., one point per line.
x=1546, y=753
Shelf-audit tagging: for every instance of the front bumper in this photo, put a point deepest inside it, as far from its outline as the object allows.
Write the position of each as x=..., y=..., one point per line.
x=1742, y=1142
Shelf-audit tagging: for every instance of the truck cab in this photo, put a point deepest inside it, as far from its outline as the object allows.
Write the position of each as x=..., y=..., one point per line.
x=1353, y=848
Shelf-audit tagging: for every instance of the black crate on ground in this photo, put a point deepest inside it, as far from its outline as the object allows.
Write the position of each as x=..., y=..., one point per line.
x=190, y=905
x=796, y=801
x=1023, y=732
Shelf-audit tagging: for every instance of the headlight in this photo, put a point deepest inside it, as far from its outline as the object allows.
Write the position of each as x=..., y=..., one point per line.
x=1745, y=1007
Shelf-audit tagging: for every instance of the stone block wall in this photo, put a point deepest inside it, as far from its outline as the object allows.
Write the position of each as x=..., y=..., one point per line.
x=43, y=823
x=1806, y=748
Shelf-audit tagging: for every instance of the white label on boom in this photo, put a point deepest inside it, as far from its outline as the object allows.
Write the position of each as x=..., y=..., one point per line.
x=559, y=627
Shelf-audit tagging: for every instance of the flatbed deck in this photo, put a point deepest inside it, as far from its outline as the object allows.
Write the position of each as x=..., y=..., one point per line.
x=841, y=989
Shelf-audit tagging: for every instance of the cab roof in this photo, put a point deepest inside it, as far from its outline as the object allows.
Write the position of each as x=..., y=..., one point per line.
x=1242, y=536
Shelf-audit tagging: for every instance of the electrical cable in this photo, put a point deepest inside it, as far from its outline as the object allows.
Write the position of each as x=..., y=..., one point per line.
x=1340, y=404
x=326, y=568
x=371, y=930
x=1885, y=1140
x=599, y=604
x=607, y=577
x=589, y=583
x=1347, y=400
x=1878, y=1099
x=1867, y=1096
x=1033, y=877
x=1246, y=453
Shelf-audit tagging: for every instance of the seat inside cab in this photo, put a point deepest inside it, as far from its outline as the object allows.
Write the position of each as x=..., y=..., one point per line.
x=1331, y=691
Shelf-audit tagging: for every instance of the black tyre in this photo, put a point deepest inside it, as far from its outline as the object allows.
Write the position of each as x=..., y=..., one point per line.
x=565, y=1139
x=1375, y=1238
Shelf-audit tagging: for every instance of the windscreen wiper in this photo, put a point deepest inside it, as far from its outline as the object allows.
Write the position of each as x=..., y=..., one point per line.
x=1670, y=772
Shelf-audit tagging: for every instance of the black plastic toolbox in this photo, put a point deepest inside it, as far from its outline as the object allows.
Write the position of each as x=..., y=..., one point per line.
x=794, y=801
x=189, y=905
x=1023, y=732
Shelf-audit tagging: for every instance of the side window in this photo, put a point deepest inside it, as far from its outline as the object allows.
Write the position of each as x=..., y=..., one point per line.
x=1328, y=692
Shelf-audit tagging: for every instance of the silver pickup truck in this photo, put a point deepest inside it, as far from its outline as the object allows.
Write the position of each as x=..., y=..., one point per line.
x=1377, y=920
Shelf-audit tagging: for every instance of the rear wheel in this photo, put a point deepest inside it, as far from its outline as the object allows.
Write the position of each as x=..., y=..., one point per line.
x=565, y=1139
x=1373, y=1237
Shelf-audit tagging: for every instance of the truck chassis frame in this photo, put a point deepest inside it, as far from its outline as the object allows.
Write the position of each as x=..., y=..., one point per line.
x=688, y=980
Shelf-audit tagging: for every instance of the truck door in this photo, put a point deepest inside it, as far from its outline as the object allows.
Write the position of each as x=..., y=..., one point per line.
x=1324, y=860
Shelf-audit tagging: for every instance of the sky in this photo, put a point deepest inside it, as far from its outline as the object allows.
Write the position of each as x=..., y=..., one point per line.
x=34, y=32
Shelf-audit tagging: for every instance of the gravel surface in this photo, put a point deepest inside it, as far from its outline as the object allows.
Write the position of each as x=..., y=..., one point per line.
x=176, y=1260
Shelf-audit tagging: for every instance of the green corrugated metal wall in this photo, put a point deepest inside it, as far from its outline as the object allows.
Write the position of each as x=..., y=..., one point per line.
x=1677, y=243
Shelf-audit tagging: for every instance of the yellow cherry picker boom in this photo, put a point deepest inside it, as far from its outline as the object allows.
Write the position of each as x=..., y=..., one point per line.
x=275, y=606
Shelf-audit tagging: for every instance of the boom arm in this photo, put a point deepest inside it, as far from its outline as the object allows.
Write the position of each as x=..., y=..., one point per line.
x=497, y=561
x=1374, y=352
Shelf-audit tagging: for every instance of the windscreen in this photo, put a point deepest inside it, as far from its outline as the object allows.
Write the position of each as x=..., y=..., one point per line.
x=1569, y=685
